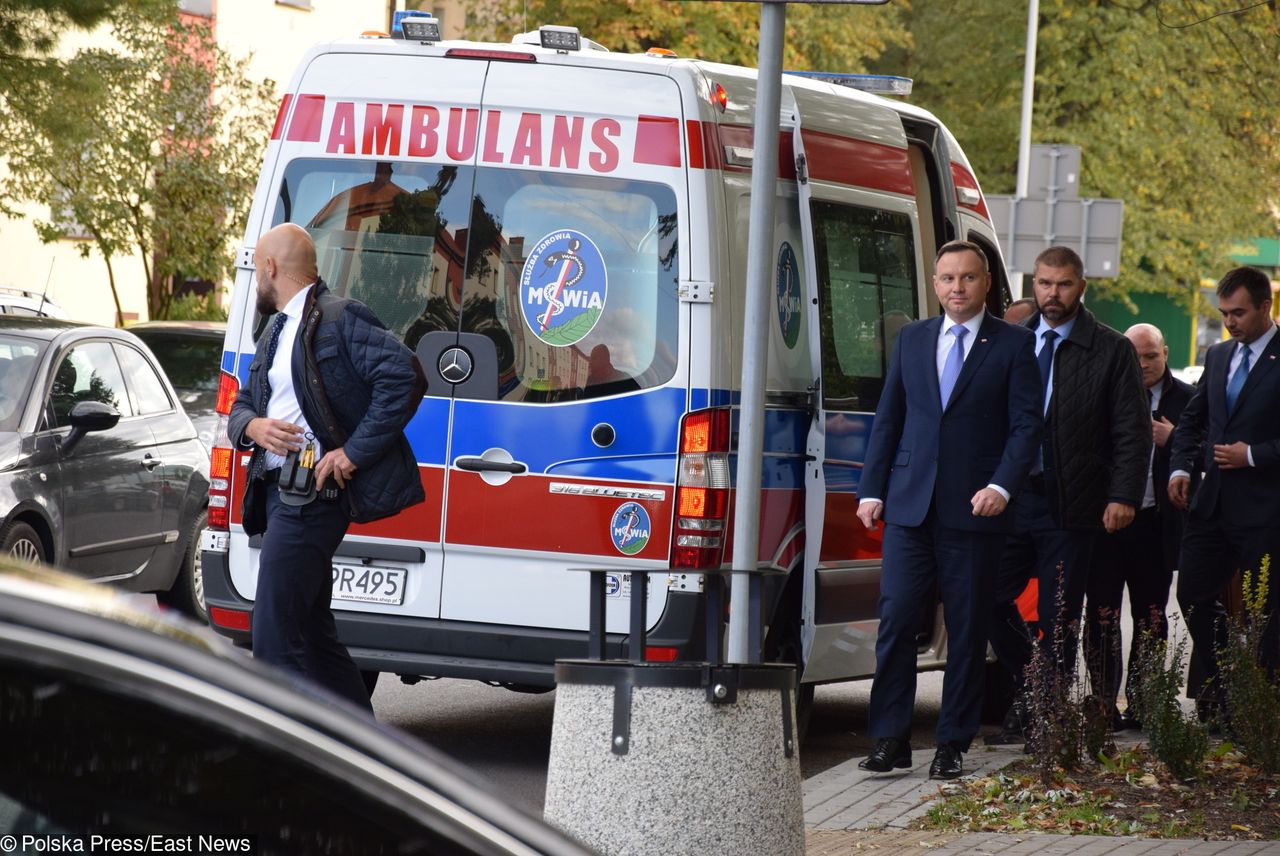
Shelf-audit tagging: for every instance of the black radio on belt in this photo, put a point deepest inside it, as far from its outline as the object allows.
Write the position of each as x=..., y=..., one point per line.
x=298, y=475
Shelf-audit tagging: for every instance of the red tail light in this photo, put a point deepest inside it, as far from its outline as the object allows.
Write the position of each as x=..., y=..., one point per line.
x=702, y=490
x=479, y=53
x=221, y=457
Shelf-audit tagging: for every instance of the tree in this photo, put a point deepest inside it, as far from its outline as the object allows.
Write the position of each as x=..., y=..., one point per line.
x=818, y=38
x=1175, y=111
x=151, y=148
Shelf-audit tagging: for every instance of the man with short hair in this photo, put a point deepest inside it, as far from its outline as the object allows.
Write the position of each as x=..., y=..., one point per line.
x=329, y=378
x=1234, y=518
x=1089, y=476
x=1143, y=555
x=954, y=434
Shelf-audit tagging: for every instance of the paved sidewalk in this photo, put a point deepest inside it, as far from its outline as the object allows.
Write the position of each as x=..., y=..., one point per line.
x=850, y=811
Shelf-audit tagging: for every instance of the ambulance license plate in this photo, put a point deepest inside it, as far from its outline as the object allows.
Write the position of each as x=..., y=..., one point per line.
x=368, y=584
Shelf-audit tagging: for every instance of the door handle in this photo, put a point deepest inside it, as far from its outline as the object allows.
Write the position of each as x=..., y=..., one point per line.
x=150, y=461
x=480, y=465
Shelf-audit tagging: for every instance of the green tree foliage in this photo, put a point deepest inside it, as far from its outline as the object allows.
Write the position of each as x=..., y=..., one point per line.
x=1176, y=113
x=819, y=38
x=152, y=147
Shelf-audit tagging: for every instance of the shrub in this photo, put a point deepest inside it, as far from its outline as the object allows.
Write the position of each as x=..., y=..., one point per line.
x=1180, y=743
x=1252, y=698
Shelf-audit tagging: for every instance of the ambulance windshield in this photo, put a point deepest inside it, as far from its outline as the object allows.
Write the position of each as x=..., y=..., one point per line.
x=574, y=278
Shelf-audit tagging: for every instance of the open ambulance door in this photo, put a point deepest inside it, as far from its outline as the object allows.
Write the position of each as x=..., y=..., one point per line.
x=866, y=281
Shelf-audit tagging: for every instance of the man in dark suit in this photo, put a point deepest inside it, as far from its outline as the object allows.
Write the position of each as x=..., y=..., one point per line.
x=1233, y=424
x=955, y=433
x=1143, y=555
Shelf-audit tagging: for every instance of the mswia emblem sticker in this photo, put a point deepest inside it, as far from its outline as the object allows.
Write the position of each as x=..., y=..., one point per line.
x=629, y=528
x=563, y=288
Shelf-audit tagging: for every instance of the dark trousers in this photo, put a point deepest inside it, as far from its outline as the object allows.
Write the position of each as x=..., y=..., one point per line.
x=1212, y=551
x=1132, y=557
x=1037, y=548
x=962, y=563
x=293, y=626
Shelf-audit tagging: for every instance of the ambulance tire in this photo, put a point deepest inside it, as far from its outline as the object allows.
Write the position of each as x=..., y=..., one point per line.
x=789, y=649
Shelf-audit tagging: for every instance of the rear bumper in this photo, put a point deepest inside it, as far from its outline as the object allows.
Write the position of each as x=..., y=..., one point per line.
x=436, y=648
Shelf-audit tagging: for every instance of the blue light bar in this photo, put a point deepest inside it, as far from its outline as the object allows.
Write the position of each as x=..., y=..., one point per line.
x=880, y=84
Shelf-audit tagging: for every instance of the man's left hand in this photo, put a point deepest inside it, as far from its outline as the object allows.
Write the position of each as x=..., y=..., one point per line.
x=987, y=503
x=336, y=463
x=1233, y=457
x=1116, y=516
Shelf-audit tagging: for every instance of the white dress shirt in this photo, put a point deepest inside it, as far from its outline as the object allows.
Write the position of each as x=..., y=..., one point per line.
x=283, y=403
x=1149, y=497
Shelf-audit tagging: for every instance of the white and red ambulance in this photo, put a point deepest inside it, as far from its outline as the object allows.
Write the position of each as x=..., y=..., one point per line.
x=559, y=233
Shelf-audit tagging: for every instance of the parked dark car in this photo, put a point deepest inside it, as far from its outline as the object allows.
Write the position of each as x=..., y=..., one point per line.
x=101, y=472
x=129, y=725
x=190, y=352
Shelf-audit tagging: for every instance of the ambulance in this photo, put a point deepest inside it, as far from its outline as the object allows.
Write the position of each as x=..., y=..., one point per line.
x=559, y=233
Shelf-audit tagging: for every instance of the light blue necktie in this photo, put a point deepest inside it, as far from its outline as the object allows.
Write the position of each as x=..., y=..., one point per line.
x=1237, y=380
x=955, y=360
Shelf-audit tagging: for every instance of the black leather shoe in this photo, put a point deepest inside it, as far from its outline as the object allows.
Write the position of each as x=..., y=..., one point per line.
x=888, y=754
x=946, y=763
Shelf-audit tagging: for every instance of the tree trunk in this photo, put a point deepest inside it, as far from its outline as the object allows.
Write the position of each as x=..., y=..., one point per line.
x=111, y=277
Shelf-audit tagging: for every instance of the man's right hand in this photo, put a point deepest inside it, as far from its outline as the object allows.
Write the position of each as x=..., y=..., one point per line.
x=869, y=513
x=275, y=435
x=1179, y=491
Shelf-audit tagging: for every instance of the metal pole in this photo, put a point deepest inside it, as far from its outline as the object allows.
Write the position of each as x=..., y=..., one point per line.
x=1024, y=142
x=755, y=336
x=1028, y=98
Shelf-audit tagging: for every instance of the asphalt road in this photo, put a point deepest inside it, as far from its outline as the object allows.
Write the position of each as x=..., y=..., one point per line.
x=506, y=736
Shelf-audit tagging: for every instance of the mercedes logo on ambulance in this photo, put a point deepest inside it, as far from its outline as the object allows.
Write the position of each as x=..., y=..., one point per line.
x=455, y=365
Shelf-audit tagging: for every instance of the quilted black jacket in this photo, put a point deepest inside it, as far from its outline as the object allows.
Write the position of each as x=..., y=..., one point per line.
x=1097, y=438
x=371, y=389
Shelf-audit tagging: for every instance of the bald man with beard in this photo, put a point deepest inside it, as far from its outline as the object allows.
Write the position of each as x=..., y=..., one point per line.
x=1144, y=555
x=326, y=377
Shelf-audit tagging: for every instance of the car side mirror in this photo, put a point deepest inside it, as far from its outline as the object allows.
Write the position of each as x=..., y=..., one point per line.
x=88, y=416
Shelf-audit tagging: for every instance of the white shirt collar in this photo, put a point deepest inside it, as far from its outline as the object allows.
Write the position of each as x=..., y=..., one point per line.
x=972, y=325
x=1260, y=344
x=294, y=307
x=1063, y=330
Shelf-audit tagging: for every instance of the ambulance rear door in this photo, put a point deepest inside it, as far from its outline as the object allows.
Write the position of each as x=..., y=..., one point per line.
x=564, y=355
x=380, y=173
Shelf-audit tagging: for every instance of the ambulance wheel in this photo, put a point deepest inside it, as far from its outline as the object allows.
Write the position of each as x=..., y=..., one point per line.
x=788, y=649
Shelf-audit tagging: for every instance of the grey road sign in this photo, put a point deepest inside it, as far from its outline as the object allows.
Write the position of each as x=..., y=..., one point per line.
x=1054, y=172
x=1091, y=227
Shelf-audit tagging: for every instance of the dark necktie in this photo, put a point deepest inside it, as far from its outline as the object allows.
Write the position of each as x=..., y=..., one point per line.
x=955, y=361
x=1046, y=360
x=1237, y=380
x=273, y=345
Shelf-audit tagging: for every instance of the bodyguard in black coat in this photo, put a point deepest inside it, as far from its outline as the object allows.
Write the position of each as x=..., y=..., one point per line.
x=1089, y=476
x=330, y=382
x=1232, y=423
x=1143, y=555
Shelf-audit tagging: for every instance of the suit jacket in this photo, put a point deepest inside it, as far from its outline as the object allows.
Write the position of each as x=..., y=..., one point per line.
x=1246, y=497
x=920, y=454
x=1174, y=396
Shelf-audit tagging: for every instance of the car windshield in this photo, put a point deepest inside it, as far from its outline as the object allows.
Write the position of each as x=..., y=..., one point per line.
x=192, y=363
x=19, y=358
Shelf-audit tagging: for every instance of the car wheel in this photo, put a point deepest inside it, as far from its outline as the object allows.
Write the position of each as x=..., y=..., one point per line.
x=187, y=594
x=22, y=542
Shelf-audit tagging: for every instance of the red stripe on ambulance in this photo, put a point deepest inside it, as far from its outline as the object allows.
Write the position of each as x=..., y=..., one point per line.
x=278, y=129
x=658, y=141
x=308, y=118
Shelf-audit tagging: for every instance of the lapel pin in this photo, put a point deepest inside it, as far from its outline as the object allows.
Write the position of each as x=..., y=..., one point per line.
x=982, y=341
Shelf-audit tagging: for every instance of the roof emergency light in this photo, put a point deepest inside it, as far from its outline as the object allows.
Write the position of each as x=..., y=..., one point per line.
x=557, y=38
x=880, y=84
x=413, y=26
